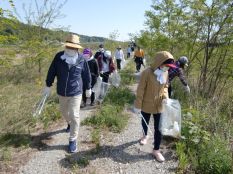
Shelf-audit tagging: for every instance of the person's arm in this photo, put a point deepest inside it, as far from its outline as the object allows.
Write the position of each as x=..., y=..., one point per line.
x=86, y=75
x=96, y=69
x=141, y=90
x=182, y=77
x=51, y=74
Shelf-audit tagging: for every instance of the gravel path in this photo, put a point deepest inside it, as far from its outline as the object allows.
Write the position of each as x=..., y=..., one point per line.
x=118, y=154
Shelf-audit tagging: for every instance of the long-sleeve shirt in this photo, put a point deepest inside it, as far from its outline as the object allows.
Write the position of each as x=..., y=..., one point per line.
x=178, y=71
x=139, y=53
x=119, y=54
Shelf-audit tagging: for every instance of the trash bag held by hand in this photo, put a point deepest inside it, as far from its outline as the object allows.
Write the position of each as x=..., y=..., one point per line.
x=40, y=106
x=170, y=120
x=97, y=87
x=115, y=79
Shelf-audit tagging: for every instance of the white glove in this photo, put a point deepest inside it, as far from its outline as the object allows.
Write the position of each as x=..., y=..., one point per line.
x=187, y=89
x=101, y=72
x=88, y=93
x=46, y=91
x=165, y=101
x=137, y=111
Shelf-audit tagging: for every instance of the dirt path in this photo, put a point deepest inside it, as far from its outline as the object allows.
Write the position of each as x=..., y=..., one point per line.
x=119, y=153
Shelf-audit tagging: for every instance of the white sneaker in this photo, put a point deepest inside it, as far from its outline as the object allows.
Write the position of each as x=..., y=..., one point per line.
x=158, y=156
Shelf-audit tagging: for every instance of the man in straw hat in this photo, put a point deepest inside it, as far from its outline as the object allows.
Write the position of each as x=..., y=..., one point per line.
x=72, y=73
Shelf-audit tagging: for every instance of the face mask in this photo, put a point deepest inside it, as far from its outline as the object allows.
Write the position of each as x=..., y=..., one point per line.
x=101, y=49
x=70, y=52
x=165, y=68
x=86, y=56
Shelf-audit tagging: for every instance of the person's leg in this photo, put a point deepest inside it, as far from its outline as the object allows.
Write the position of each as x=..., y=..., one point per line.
x=84, y=99
x=157, y=138
x=145, y=122
x=146, y=117
x=169, y=90
x=63, y=102
x=92, y=98
x=118, y=64
x=74, y=108
x=157, y=133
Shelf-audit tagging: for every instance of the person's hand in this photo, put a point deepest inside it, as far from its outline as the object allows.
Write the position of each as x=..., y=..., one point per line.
x=88, y=93
x=137, y=111
x=187, y=89
x=101, y=72
x=46, y=91
x=165, y=101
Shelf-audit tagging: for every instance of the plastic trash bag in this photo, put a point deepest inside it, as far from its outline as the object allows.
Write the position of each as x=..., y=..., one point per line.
x=97, y=87
x=170, y=120
x=123, y=63
x=40, y=106
x=103, y=91
x=115, y=79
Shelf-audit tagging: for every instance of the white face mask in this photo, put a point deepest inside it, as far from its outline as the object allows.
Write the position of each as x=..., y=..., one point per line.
x=70, y=52
x=86, y=56
x=101, y=49
x=165, y=68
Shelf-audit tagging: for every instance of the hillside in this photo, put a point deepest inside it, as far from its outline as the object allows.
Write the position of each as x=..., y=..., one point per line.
x=13, y=31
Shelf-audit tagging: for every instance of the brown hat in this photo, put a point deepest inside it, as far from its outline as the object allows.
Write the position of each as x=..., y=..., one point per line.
x=73, y=41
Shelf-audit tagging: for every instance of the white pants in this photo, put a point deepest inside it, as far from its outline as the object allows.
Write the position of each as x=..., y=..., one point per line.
x=70, y=107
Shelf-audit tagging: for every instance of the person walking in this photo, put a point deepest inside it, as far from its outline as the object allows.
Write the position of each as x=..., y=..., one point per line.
x=72, y=72
x=100, y=52
x=94, y=70
x=119, y=55
x=106, y=67
x=138, y=58
x=151, y=92
x=178, y=71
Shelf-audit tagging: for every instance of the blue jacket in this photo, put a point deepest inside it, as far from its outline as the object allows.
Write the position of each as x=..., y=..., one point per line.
x=70, y=81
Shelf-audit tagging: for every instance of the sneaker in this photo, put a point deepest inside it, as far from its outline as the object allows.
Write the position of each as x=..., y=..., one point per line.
x=92, y=104
x=144, y=139
x=158, y=156
x=73, y=146
x=68, y=128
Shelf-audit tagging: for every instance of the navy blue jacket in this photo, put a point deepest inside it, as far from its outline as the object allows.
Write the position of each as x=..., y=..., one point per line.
x=70, y=81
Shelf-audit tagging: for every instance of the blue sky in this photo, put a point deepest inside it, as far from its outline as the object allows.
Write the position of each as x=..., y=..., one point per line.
x=99, y=17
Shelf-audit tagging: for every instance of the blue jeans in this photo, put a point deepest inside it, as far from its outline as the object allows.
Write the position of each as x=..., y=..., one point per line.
x=157, y=133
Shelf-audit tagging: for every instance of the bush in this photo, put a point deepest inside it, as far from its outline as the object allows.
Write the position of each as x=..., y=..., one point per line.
x=110, y=117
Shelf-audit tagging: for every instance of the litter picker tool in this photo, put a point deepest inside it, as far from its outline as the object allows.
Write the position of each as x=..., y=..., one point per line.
x=40, y=105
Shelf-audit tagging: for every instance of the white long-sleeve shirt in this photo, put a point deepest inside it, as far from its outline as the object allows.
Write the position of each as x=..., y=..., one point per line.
x=119, y=54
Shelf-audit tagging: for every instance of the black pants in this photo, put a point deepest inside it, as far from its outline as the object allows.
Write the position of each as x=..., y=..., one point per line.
x=139, y=62
x=118, y=64
x=170, y=90
x=85, y=98
x=105, y=76
x=128, y=55
x=157, y=133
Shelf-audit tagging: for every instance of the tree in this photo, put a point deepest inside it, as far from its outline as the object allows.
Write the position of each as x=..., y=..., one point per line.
x=200, y=29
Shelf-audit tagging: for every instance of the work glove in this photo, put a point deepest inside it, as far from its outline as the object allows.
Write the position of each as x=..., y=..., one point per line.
x=137, y=111
x=46, y=91
x=88, y=93
x=101, y=72
x=187, y=89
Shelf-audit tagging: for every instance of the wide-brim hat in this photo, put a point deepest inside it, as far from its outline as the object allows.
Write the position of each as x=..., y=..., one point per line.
x=72, y=41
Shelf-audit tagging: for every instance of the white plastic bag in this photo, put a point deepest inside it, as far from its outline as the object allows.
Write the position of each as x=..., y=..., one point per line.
x=123, y=63
x=103, y=91
x=115, y=79
x=97, y=87
x=170, y=120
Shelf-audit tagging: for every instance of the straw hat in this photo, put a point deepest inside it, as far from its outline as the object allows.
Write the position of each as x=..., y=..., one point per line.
x=73, y=41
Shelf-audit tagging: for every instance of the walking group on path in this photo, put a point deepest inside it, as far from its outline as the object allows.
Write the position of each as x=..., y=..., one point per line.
x=77, y=74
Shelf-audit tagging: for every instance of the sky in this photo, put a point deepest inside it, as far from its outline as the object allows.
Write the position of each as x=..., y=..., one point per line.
x=98, y=17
